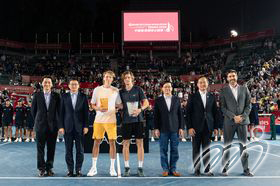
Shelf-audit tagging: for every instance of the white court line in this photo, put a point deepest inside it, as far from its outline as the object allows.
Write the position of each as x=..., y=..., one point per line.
x=5, y=144
x=136, y=178
x=266, y=153
x=269, y=143
x=118, y=166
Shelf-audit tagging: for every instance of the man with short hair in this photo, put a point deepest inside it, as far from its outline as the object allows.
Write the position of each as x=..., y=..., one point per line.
x=201, y=121
x=105, y=100
x=134, y=103
x=169, y=125
x=74, y=124
x=45, y=111
x=236, y=106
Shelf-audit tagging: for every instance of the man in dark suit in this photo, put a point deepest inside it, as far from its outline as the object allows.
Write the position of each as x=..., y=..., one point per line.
x=45, y=111
x=73, y=124
x=201, y=121
x=169, y=124
x=236, y=107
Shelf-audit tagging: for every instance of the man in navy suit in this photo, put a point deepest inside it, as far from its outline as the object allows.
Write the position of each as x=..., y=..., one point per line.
x=201, y=121
x=169, y=124
x=74, y=124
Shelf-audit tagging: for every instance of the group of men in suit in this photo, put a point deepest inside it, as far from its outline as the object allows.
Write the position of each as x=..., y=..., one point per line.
x=69, y=115
x=202, y=115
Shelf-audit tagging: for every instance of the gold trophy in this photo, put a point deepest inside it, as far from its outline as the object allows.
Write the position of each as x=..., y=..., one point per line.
x=104, y=104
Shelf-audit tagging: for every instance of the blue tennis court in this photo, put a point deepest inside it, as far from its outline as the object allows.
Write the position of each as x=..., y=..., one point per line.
x=18, y=166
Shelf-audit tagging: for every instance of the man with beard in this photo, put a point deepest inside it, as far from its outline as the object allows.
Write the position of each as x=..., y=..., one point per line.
x=235, y=104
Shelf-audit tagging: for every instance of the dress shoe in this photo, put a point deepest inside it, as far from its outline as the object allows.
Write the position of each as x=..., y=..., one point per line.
x=164, y=174
x=41, y=173
x=79, y=174
x=209, y=173
x=197, y=173
x=176, y=174
x=70, y=174
x=248, y=173
x=50, y=172
x=224, y=172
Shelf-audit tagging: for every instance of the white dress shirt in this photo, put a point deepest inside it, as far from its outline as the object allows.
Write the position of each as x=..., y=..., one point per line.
x=203, y=97
x=168, y=101
x=234, y=91
x=74, y=99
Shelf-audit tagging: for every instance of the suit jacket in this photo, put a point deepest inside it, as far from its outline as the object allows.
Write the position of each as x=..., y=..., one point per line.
x=71, y=118
x=44, y=118
x=230, y=107
x=165, y=120
x=197, y=115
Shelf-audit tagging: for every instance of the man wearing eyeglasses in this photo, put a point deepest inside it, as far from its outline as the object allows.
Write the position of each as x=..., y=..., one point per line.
x=74, y=124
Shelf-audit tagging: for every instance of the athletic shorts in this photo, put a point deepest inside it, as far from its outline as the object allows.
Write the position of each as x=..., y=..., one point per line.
x=132, y=129
x=7, y=124
x=29, y=125
x=20, y=124
x=99, y=130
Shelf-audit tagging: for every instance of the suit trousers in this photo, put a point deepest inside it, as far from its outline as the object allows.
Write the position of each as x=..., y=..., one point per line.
x=201, y=139
x=69, y=143
x=229, y=132
x=45, y=137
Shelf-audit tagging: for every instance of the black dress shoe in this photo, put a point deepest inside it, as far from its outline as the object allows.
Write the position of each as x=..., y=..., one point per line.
x=197, y=173
x=248, y=173
x=50, y=172
x=41, y=173
x=79, y=174
x=224, y=172
x=209, y=173
x=70, y=174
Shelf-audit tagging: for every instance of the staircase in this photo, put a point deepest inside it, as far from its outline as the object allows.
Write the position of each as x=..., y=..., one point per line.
x=230, y=64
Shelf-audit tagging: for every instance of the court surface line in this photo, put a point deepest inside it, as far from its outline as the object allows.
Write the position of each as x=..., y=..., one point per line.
x=136, y=178
x=266, y=153
x=4, y=144
x=271, y=144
